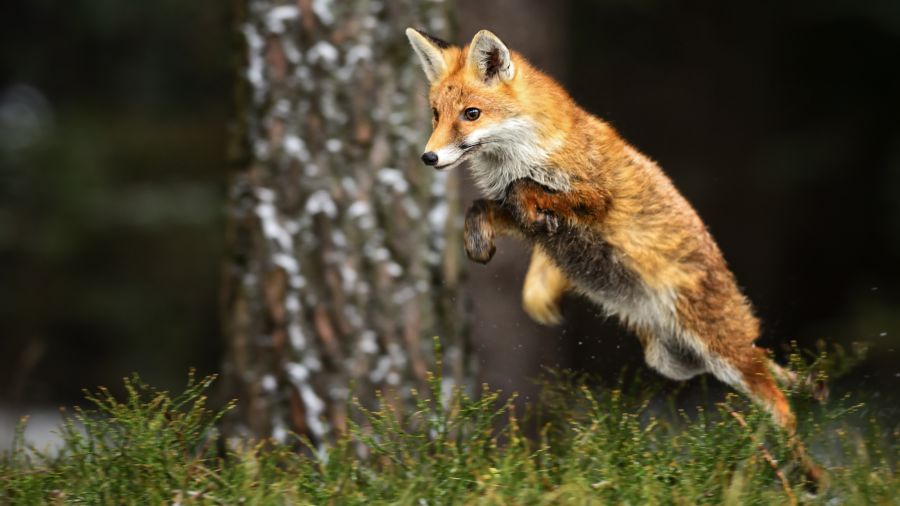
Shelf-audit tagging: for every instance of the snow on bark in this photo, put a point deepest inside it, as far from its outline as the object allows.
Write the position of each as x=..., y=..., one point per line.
x=344, y=250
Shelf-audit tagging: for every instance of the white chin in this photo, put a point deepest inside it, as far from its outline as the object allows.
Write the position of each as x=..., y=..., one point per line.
x=449, y=165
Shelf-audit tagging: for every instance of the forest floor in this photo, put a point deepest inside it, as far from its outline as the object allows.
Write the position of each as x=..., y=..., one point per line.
x=589, y=447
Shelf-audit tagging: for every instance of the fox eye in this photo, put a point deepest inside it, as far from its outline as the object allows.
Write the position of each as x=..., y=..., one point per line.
x=436, y=114
x=471, y=114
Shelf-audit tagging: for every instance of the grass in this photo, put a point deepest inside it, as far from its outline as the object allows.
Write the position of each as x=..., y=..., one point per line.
x=609, y=446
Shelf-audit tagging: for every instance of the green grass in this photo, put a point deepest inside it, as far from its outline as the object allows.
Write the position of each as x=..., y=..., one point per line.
x=593, y=447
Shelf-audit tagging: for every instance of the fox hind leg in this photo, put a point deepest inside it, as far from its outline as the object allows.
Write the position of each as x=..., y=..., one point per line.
x=545, y=283
x=544, y=288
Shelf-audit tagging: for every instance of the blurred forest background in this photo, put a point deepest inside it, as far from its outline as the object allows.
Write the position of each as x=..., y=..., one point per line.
x=777, y=121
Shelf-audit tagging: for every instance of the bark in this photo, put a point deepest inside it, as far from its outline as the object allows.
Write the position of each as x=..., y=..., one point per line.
x=344, y=251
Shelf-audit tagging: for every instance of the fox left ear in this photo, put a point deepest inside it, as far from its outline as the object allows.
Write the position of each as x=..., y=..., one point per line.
x=490, y=57
x=430, y=51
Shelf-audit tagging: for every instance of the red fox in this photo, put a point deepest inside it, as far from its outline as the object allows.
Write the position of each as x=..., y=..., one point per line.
x=604, y=220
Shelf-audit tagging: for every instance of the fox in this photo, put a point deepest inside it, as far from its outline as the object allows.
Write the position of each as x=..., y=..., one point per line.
x=603, y=219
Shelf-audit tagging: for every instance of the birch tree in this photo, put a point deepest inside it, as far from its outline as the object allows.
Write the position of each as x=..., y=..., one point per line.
x=344, y=255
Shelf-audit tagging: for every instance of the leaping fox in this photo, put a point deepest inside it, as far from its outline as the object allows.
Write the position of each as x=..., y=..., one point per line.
x=604, y=219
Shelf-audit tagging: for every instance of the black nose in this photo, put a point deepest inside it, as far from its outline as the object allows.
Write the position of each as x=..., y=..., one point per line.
x=430, y=158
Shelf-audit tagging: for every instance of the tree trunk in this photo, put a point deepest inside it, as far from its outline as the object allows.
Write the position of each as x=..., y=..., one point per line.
x=344, y=251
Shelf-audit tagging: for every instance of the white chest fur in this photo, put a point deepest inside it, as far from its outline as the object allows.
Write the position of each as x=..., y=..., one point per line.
x=511, y=150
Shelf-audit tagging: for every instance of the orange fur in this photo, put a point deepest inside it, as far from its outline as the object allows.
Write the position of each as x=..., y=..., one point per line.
x=544, y=288
x=605, y=220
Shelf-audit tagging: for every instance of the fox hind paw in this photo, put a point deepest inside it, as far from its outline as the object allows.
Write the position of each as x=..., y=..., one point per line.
x=541, y=309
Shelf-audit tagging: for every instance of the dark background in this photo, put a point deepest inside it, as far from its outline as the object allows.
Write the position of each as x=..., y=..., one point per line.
x=778, y=121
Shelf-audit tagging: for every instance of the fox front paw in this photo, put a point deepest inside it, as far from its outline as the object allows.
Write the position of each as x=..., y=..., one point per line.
x=479, y=232
x=523, y=196
x=545, y=221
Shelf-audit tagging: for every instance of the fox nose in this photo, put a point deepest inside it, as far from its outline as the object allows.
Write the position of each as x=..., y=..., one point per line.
x=430, y=158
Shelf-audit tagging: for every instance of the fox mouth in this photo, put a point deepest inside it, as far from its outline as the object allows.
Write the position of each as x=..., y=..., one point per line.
x=467, y=149
x=451, y=164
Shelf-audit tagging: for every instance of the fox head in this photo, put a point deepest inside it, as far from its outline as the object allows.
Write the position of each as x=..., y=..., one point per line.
x=492, y=109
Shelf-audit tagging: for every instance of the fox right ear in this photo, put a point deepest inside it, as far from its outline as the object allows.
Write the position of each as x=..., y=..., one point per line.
x=430, y=51
x=490, y=57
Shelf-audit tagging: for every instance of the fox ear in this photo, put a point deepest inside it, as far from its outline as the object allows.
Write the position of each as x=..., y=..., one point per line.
x=490, y=57
x=430, y=51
